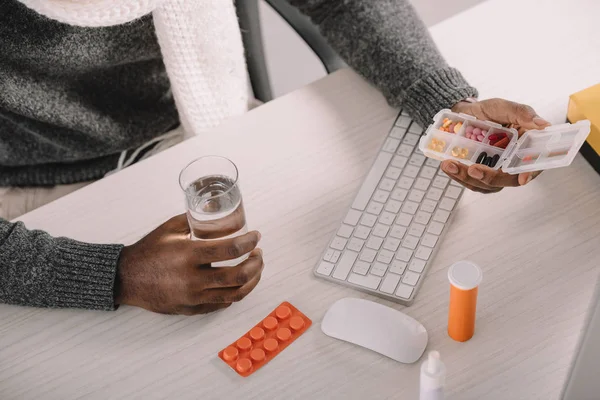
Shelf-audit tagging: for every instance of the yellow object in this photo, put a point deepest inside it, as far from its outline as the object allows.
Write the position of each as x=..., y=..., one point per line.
x=460, y=152
x=436, y=145
x=586, y=105
x=457, y=127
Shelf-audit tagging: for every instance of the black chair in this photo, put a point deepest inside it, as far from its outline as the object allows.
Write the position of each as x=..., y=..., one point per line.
x=251, y=33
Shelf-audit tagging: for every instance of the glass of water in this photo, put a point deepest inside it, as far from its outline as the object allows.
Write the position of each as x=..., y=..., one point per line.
x=214, y=201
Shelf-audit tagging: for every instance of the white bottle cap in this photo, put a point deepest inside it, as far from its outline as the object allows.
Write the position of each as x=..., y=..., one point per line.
x=465, y=275
x=433, y=377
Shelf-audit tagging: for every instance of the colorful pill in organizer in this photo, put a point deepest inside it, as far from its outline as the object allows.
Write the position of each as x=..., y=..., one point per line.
x=267, y=339
x=475, y=133
x=460, y=152
x=450, y=126
x=436, y=145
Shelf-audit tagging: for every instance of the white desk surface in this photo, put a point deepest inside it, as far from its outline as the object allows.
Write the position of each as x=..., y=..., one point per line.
x=302, y=158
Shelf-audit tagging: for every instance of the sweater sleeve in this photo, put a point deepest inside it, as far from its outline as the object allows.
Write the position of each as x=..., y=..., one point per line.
x=387, y=43
x=39, y=270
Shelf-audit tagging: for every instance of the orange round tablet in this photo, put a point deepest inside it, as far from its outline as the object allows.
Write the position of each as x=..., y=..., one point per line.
x=283, y=312
x=270, y=323
x=296, y=323
x=244, y=344
x=243, y=365
x=257, y=333
x=230, y=353
x=257, y=355
x=271, y=344
x=284, y=334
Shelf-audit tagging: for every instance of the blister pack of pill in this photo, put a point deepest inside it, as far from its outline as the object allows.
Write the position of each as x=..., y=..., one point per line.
x=463, y=138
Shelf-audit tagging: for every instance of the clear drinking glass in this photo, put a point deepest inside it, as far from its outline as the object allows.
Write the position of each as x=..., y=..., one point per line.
x=213, y=199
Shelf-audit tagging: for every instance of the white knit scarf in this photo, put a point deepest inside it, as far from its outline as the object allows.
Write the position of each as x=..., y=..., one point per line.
x=201, y=45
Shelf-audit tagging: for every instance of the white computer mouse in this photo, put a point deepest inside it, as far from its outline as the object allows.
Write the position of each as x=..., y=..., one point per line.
x=376, y=327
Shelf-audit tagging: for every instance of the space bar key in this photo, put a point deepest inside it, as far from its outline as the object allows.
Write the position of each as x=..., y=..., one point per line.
x=371, y=181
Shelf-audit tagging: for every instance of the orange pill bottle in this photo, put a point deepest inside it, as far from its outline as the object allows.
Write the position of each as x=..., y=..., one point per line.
x=464, y=277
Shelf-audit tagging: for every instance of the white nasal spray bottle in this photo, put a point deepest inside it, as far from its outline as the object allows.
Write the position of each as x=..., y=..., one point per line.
x=433, y=375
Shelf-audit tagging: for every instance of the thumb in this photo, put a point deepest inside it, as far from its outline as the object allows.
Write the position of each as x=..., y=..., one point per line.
x=526, y=117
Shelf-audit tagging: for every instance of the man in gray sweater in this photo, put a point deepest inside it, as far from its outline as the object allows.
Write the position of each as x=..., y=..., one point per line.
x=73, y=99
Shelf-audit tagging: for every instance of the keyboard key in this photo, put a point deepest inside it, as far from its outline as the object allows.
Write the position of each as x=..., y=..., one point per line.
x=404, y=219
x=369, y=281
x=393, y=206
x=417, y=265
x=387, y=218
x=398, y=133
x=389, y=283
x=422, y=217
x=411, y=171
x=411, y=139
x=393, y=173
x=453, y=192
x=399, y=161
x=416, y=129
x=405, y=182
x=441, y=216
x=440, y=182
x=404, y=254
x=428, y=172
x=447, y=204
x=325, y=268
x=416, y=195
x=345, y=265
x=410, y=242
x=411, y=278
x=434, y=194
x=410, y=207
x=405, y=113
x=328, y=254
x=352, y=217
x=379, y=269
x=398, y=232
x=391, y=244
x=374, y=242
x=416, y=229
x=391, y=145
x=381, y=230
x=374, y=208
x=423, y=253
x=385, y=256
x=429, y=240
x=368, y=255
x=387, y=184
x=428, y=205
x=336, y=256
x=403, y=121
x=422, y=184
x=356, y=244
x=370, y=183
x=345, y=231
x=454, y=183
x=404, y=291
x=362, y=232
x=368, y=220
x=432, y=163
x=398, y=267
x=418, y=151
x=339, y=243
x=435, y=228
x=399, y=194
x=405, y=150
x=361, y=267
x=417, y=160
x=381, y=196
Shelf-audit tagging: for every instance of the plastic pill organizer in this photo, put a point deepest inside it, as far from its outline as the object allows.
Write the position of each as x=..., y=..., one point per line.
x=464, y=138
x=267, y=339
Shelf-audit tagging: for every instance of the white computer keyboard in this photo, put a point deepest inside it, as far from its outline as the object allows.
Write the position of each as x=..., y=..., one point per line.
x=390, y=235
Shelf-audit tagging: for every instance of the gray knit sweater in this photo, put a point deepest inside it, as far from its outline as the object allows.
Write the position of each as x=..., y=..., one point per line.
x=72, y=99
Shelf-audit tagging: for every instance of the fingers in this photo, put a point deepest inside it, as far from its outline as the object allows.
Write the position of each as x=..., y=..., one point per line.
x=527, y=177
x=206, y=252
x=230, y=295
x=177, y=224
x=460, y=173
x=509, y=112
x=231, y=277
x=491, y=178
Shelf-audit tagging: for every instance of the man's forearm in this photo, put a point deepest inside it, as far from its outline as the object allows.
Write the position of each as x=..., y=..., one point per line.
x=41, y=271
x=387, y=43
